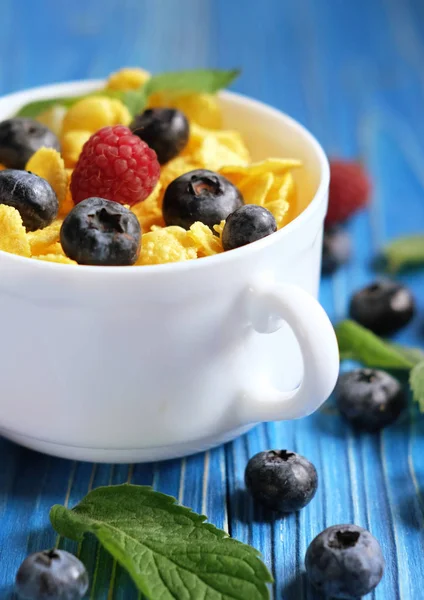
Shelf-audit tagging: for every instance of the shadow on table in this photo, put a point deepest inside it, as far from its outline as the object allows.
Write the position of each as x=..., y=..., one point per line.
x=7, y=593
x=299, y=588
x=245, y=509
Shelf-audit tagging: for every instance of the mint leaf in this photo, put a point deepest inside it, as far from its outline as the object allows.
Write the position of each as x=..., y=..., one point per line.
x=415, y=355
x=33, y=109
x=416, y=381
x=135, y=100
x=405, y=251
x=169, y=551
x=207, y=81
x=358, y=343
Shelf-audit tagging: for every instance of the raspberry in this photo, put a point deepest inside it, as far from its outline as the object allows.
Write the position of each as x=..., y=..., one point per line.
x=349, y=190
x=116, y=165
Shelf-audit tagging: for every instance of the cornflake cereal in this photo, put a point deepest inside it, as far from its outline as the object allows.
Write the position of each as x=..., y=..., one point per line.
x=129, y=78
x=149, y=212
x=72, y=143
x=56, y=258
x=94, y=112
x=41, y=240
x=201, y=109
x=268, y=183
x=13, y=237
x=48, y=164
x=170, y=244
x=53, y=118
x=204, y=239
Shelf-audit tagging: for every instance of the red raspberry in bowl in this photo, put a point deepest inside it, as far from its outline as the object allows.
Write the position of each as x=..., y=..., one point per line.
x=116, y=165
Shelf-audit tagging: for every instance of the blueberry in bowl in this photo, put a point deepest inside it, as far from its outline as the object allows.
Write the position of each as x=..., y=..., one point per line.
x=247, y=224
x=101, y=232
x=165, y=130
x=200, y=195
x=20, y=137
x=32, y=196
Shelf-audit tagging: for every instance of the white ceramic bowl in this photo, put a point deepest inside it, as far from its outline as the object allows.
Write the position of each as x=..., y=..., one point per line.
x=143, y=363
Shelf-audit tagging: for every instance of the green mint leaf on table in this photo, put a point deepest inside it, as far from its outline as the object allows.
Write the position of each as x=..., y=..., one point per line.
x=169, y=551
x=207, y=81
x=404, y=252
x=360, y=344
x=416, y=381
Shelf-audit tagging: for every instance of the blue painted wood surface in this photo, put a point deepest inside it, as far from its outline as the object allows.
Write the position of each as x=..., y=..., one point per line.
x=353, y=73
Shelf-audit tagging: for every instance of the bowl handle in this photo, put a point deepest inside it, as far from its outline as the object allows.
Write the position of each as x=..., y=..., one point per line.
x=270, y=305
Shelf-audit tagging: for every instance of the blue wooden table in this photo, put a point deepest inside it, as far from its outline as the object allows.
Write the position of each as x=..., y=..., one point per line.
x=353, y=72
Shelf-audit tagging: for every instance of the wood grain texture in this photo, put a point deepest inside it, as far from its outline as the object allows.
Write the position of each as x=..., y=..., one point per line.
x=353, y=73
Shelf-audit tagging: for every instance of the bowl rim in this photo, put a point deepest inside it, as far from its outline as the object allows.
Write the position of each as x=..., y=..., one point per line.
x=77, y=86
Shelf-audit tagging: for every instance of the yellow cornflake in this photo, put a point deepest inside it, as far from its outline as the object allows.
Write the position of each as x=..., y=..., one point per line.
x=42, y=239
x=213, y=154
x=255, y=188
x=176, y=167
x=71, y=144
x=68, y=203
x=53, y=118
x=56, y=258
x=55, y=248
x=277, y=166
x=149, y=212
x=47, y=163
x=203, y=109
x=94, y=112
x=129, y=78
x=219, y=229
x=13, y=237
x=280, y=197
x=2, y=167
x=204, y=239
x=166, y=245
x=230, y=139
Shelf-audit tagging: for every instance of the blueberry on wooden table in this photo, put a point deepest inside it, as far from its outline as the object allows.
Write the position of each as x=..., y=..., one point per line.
x=384, y=307
x=20, y=138
x=101, y=232
x=200, y=195
x=345, y=561
x=31, y=195
x=165, y=130
x=336, y=249
x=280, y=480
x=247, y=224
x=370, y=399
x=51, y=575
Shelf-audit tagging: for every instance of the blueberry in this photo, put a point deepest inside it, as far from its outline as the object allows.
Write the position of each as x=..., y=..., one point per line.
x=31, y=195
x=370, y=399
x=246, y=225
x=344, y=561
x=383, y=307
x=200, y=195
x=165, y=130
x=336, y=249
x=51, y=575
x=281, y=480
x=20, y=138
x=101, y=232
